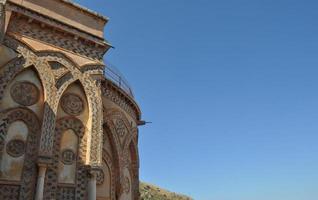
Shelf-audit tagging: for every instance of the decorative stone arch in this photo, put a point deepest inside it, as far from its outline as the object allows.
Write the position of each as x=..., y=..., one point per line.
x=134, y=169
x=51, y=188
x=132, y=140
x=131, y=157
x=110, y=127
x=28, y=181
x=113, y=114
x=116, y=154
x=122, y=149
x=52, y=95
x=9, y=71
x=93, y=93
x=29, y=58
x=109, y=162
x=26, y=59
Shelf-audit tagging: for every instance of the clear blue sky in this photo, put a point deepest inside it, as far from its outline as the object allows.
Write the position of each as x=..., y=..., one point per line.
x=231, y=88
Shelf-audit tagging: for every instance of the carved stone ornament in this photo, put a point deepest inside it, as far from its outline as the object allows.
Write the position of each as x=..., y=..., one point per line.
x=66, y=193
x=72, y=104
x=16, y=148
x=126, y=185
x=120, y=127
x=68, y=157
x=100, y=177
x=9, y=191
x=25, y=93
x=1, y=144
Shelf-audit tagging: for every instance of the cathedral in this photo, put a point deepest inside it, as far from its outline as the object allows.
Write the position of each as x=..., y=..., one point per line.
x=68, y=123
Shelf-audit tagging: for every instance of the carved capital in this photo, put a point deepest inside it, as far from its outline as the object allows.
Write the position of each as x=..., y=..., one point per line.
x=42, y=169
x=94, y=172
x=44, y=161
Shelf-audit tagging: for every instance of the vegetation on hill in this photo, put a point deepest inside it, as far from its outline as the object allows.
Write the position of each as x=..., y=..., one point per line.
x=151, y=192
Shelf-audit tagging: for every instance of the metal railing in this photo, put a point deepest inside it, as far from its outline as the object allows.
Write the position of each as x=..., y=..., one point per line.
x=113, y=74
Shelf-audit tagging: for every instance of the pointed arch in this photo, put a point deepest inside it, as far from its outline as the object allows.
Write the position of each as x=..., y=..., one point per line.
x=22, y=79
x=76, y=89
x=52, y=190
x=28, y=58
x=108, y=161
x=133, y=153
x=58, y=57
x=26, y=187
x=134, y=169
x=132, y=140
x=9, y=71
x=116, y=163
x=93, y=93
x=122, y=149
x=109, y=117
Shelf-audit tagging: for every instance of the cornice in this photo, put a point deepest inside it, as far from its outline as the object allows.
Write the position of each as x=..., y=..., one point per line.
x=88, y=11
x=37, y=30
x=56, y=24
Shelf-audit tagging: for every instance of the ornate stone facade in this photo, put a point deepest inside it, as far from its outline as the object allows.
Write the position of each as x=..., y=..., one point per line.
x=66, y=131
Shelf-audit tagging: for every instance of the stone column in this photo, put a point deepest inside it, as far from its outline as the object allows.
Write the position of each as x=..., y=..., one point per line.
x=40, y=182
x=92, y=186
x=2, y=19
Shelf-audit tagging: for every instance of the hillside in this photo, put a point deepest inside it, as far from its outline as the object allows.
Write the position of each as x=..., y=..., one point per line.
x=151, y=192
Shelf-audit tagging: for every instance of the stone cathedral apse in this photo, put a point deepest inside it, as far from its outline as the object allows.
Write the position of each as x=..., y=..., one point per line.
x=68, y=123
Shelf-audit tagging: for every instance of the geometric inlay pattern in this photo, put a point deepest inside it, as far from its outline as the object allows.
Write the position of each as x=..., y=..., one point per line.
x=16, y=148
x=51, y=186
x=68, y=157
x=126, y=185
x=9, y=192
x=72, y=104
x=120, y=127
x=66, y=193
x=25, y=93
